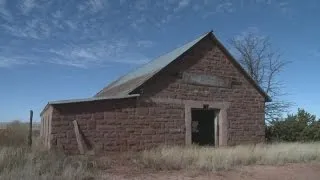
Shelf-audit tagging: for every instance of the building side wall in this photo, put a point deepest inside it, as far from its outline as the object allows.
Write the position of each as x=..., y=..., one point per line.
x=117, y=125
x=45, y=127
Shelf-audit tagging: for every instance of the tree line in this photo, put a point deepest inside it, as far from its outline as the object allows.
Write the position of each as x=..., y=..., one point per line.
x=299, y=127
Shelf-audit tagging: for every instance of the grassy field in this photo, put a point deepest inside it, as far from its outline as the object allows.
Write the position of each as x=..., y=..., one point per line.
x=17, y=161
x=209, y=159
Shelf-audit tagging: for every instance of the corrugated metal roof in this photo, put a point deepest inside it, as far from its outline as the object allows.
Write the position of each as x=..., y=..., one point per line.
x=135, y=78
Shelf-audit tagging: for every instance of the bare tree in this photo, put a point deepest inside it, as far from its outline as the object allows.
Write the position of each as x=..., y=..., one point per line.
x=264, y=65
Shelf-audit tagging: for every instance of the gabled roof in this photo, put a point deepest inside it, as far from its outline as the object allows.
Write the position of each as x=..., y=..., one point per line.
x=129, y=82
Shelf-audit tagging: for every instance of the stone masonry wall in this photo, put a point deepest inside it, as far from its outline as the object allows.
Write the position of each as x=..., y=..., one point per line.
x=117, y=125
x=246, y=113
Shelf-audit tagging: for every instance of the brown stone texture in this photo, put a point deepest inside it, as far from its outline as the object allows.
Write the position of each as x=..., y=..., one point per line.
x=117, y=125
x=246, y=112
x=140, y=123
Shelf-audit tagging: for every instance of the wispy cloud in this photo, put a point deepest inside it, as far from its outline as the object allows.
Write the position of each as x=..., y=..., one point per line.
x=93, y=6
x=225, y=7
x=247, y=31
x=145, y=43
x=136, y=23
x=34, y=29
x=182, y=4
x=9, y=61
x=232, y=6
x=4, y=13
x=27, y=5
x=141, y=5
x=71, y=24
x=91, y=32
x=81, y=39
x=96, y=53
x=57, y=14
x=285, y=8
x=14, y=59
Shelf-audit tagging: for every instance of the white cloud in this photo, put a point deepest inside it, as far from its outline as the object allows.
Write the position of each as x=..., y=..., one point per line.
x=8, y=62
x=58, y=14
x=138, y=22
x=249, y=30
x=182, y=4
x=34, y=29
x=19, y=32
x=93, y=6
x=97, y=5
x=285, y=8
x=225, y=7
x=4, y=13
x=141, y=5
x=72, y=25
x=95, y=53
x=13, y=59
x=27, y=5
x=145, y=43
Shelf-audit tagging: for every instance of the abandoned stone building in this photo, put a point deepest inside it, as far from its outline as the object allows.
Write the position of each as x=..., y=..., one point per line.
x=198, y=93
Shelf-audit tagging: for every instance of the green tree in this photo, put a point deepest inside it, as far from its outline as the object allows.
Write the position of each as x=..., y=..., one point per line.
x=301, y=126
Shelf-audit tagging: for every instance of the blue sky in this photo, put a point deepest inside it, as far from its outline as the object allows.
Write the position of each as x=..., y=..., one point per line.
x=58, y=49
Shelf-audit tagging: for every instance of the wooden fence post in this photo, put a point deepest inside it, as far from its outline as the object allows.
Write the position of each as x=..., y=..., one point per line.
x=81, y=144
x=30, y=129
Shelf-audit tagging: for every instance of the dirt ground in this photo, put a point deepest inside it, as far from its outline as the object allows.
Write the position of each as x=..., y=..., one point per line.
x=309, y=171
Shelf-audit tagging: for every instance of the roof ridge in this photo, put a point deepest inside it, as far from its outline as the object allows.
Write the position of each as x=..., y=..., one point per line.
x=113, y=83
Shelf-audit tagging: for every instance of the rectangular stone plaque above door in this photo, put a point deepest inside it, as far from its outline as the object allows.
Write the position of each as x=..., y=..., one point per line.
x=206, y=80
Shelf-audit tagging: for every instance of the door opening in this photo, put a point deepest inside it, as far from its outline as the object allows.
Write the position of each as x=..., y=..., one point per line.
x=203, y=126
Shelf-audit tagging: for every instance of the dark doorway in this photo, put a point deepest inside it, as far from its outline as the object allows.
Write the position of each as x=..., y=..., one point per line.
x=203, y=126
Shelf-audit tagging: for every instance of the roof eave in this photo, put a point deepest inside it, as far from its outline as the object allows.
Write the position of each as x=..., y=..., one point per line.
x=44, y=109
x=71, y=101
x=92, y=99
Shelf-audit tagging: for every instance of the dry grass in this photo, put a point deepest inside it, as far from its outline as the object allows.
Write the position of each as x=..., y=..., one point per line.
x=212, y=159
x=14, y=134
x=17, y=161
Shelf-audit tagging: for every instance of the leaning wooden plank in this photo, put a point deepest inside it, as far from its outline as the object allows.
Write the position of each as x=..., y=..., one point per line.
x=81, y=145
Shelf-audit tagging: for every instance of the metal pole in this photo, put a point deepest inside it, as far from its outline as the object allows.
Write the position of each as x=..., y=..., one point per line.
x=30, y=129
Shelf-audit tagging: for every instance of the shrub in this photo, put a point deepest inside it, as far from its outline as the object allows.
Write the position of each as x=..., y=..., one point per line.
x=301, y=126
